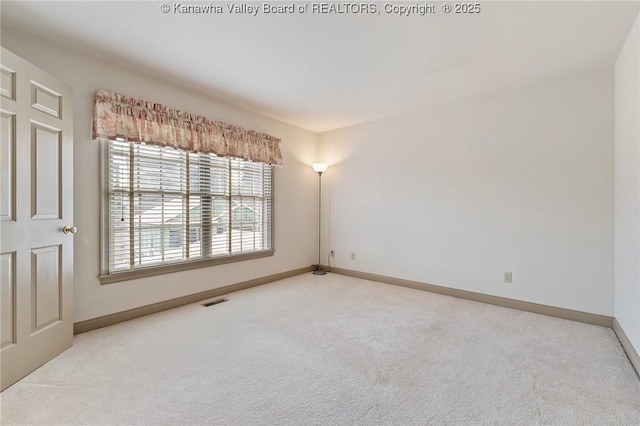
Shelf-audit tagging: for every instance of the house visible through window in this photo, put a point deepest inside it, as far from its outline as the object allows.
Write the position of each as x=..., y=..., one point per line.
x=166, y=205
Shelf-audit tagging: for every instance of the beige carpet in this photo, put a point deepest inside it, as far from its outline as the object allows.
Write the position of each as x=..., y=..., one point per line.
x=334, y=350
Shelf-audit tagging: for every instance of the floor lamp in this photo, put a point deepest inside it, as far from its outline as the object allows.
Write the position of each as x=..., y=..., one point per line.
x=319, y=168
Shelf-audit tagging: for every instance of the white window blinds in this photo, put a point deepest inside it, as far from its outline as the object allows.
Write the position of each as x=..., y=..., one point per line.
x=169, y=206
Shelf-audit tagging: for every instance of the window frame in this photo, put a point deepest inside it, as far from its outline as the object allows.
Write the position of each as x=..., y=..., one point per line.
x=107, y=277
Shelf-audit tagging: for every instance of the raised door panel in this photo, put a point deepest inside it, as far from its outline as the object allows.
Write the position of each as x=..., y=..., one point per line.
x=46, y=286
x=45, y=172
x=7, y=300
x=46, y=100
x=8, y=83
x=7, y=166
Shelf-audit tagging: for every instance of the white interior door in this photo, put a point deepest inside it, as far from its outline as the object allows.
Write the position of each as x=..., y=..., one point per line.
x=36, y=203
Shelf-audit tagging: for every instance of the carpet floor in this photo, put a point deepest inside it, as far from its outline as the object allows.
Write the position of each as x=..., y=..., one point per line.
x=334, y=350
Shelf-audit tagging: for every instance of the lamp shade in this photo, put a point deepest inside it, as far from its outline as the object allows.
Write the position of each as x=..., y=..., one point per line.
x=320, y=167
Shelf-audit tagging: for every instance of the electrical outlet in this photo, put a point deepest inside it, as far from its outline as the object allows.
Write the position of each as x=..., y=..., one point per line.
x=332, y=253
x=508, y=278
x=353, y=255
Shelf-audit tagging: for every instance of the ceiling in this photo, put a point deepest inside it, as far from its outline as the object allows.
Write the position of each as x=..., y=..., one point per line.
x=326, y=71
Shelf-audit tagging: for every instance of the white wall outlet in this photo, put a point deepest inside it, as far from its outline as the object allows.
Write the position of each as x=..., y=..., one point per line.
x=332, y=253
x=508, y=278
x=353, y=255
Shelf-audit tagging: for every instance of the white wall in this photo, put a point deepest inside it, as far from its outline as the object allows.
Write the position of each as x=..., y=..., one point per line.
x=627, y=187
x=520, y=181
x=295, y=196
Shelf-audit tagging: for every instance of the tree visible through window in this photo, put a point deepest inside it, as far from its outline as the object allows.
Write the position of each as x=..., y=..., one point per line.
x=169, y=206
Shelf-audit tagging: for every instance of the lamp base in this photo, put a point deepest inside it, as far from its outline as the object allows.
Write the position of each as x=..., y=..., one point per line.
x=319, y=271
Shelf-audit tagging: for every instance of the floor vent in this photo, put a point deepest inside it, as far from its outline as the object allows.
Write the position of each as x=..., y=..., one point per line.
x=215, y=302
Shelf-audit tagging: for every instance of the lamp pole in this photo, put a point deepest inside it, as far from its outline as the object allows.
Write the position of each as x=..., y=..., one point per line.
x=319, y=168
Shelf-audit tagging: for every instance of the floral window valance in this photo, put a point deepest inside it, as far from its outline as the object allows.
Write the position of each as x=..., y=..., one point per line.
x=118, y=116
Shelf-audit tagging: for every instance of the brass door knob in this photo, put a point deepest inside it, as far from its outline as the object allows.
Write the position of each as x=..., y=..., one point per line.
x=69, y=229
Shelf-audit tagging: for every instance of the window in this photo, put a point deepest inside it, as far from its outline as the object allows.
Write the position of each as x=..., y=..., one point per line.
x=165, y=206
